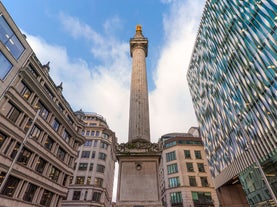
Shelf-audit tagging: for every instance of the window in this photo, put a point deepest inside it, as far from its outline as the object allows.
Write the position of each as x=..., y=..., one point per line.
x=173, y=182
x=44, y=112
x=61, y=153
x=98, y=182
x=50, y=94
x=15, y=149
x=55, y=125
x=76, y=195
x=49, y=143
x=192, y=181
x=80, y=180
x=54, y=174
x=187, y=154
x=170, y=156
x=91, y=167
x=198, y=154
x=201, y=167
x=105, y=136
x=10, y=186
x=66, y=136
x=30, y=192
x=85, y=154
x=25, y=91
x=9, y=39
x=93, y=154
x=204, y=181
x=176, y=198
x=172, y=168
x=95, y=143
x=96, y=196
x=83, y=166
x=102, y=156
x=2, y=176
x=87, y=133
x=104, y=145
x=32, y=70
x=202, y=198
x=88, y=180
x=92, y=133
x=13, y=113
x=97, y=133
x=5, y=66
x=189, y=167
x=100, y=168
x=46, y=198
x=40, y=165
x=24, y=156
x=35, y=132
x=88, y=143
x=2, y=139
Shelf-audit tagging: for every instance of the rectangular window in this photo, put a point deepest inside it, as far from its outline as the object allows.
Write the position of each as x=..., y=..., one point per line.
x=9, y=39
x=173, y=182
x=92, y=133
x=80, y=180
x=172, y=168
x=2, y=139
x=46, y=198
x=93, y=154
x=54, y=174
x=202, y=198
x=13, y=113
x=10, y=186
x=40, y=165
x=83, y=166
x=25, y=91
x=97, y=133
x=100, y=168
x=104, y=145
x=30, y=192
x=24, y=156
x=55, y=124
x=95, y=143
x=176, y=198
x=102, y=156
x=198, y=154
x=98, y=182
x=187, y=154
x=50, y=94
x=49, y=143
x=204, y=181
x=87, y=133
x=96, y=196
x=192, y=181
x=76, y=195
x=35, y=131
x=5, y=66
x=88, y=143
x=201, y=167
x=170, y=156
x=44, y=112
x=88, y=180
x=15, y=149
x=61, y=153
x=189, y=167
x=85, y=154
x=91, y=167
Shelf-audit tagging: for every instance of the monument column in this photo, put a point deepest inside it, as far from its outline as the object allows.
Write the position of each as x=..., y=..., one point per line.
x=139, y=159
x=139, y=112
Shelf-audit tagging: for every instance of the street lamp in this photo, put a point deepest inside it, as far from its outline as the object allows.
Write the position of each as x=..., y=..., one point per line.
x=19, y=151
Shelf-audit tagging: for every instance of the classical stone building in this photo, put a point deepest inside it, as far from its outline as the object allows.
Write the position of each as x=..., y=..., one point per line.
x=185, y=179
x=39, y=132
x=92, y=183
x=138, y=158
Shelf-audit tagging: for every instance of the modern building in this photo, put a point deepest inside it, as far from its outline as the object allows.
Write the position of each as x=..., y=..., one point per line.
x=184, y=173
x=138, y=159
x=92, y=183
x=233, y=83
x=39, y=132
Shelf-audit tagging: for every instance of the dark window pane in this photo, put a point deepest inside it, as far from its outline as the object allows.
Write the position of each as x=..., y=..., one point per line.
x=10, y=186
x=30, y=192
x=5, y=66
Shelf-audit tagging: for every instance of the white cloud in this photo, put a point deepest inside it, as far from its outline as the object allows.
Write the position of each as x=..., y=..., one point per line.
x=104, y=88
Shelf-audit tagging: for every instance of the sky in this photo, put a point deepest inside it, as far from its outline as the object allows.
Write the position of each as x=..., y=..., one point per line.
x=87, y=44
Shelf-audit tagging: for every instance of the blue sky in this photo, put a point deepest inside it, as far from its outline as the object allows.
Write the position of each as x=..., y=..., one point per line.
x=87, y=44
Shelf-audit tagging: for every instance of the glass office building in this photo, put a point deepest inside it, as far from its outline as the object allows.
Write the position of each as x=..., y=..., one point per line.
x=232, y=78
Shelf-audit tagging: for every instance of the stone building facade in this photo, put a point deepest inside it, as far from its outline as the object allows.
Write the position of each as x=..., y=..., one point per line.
x=34, y=111
x=185, y=179
x=92, y=183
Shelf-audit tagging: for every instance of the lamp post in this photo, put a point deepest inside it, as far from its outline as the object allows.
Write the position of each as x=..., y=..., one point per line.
x=19, y=151
x=252, y=153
